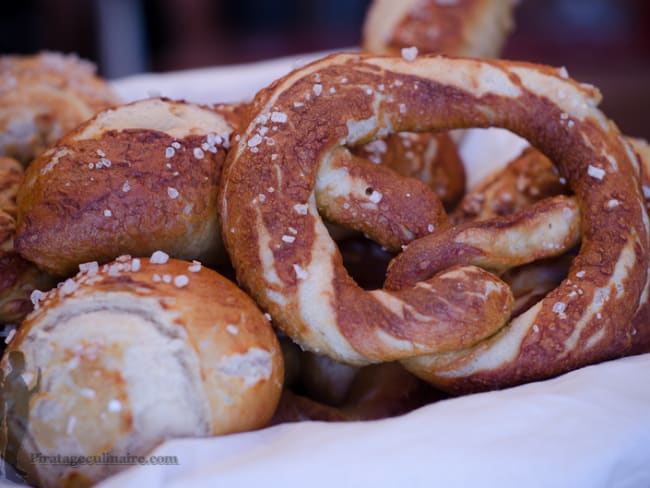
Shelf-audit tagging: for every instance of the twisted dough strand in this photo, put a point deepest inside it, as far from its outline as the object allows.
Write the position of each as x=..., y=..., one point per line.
x=348, y=99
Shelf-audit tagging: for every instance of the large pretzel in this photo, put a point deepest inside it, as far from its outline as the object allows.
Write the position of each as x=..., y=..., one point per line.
x=284, y=257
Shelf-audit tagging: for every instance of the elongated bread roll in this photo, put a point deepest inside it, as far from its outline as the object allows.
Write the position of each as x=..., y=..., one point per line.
x=126, y=355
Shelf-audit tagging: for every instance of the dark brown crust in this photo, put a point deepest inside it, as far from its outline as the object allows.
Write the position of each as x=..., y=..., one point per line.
x=458, y=28
x=408, y=207
x=430, y=158
x=465, y=93
x=145, y=201
x=476, y=243
x=525, y=180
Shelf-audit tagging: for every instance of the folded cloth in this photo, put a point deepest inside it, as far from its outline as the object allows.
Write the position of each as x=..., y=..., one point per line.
x=589, y=428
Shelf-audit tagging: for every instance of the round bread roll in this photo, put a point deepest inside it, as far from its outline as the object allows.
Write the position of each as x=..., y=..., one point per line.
x=44, y=96
x=475, y=28
x=133, y=179
x=126, y=355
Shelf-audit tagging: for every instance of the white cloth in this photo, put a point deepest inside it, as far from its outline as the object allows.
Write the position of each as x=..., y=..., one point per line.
x=589, y=428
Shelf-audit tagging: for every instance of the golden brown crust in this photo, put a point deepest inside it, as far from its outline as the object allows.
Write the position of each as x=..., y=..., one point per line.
x=132, y=180
x=138, y=351
x=432, y=159
x=526, y=179
x=476, y=28
x=341, y=101
x=44, y=96
x=546, y=229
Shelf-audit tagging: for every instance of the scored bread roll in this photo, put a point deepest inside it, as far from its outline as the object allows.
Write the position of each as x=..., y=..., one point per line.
x=133, y=179
x=44, y=96
x=126, y=355
x=460, y=27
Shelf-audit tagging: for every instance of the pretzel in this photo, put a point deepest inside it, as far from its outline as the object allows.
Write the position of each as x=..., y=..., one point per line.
x=524, y=180
x=348, y=99
x=44, y=96
x=430, y=158
x=475, y=28
x=546, y=229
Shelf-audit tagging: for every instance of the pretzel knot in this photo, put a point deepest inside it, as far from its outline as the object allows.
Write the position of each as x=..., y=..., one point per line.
x=285, y=258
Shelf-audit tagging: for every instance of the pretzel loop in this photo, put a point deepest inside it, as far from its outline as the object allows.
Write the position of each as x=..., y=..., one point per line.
x=290, y=265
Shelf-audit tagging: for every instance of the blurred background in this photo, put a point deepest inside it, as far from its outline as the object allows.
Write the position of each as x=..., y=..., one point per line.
x=603, y=42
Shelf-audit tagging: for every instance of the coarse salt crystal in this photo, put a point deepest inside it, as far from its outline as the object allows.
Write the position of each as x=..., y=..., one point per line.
x=108, y=213
x=90, y=268
x=430, y=228
x=256, y=140
x=580, y=274
x=301, y=208
x=126, y=187
x=181, y=281
x=410, y=53
x=159, y=257
x=195, y=267
x=288, y=239
x=114, y=406
x=135, y=265
x=279, y=117
x=176, y=145
x=169, y=152
x=318, y=89
x=301, y=274
x=596, y=172
x=167, y=278
x=172, y=192
x=198, y=153
x=10, y=336
x=375, y=197
x=232, y=329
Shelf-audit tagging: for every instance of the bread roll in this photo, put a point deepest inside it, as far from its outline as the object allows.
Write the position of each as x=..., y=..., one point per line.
x=135, y=352
x=44, y=96
x=18, y=277
x=133, y=179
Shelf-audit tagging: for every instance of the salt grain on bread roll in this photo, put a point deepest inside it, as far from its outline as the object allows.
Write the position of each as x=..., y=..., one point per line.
x=138, y=351
x=133, y=179
x=462, y=27
x=44, y=96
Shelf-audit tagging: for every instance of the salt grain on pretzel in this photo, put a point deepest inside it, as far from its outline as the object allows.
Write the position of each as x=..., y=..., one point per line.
x=327, y=312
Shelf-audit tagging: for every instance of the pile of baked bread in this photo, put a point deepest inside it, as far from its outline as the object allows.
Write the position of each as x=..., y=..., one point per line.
x=172, y=269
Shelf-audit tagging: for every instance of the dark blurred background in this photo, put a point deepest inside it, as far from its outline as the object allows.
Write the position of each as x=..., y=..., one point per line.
x=603, y=42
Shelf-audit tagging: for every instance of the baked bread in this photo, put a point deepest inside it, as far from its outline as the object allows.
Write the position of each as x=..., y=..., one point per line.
x=18, y=277
x=475, y=28
x=44, y=96
x=133, y=179
x=134, y=352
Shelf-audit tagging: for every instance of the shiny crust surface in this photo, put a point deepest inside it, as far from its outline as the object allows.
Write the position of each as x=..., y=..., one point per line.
x=342, y=103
